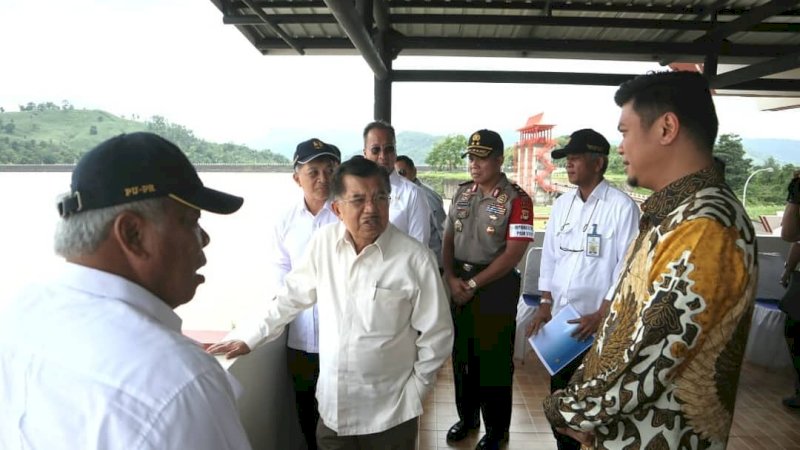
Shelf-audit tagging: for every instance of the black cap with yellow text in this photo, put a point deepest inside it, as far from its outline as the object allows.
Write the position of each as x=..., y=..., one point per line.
x=583, y=141
x=314, y=148
x=483, y=143
x=139, y=166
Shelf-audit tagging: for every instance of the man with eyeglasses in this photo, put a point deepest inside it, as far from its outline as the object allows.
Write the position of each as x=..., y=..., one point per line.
x=386, y=327
x=488, y=230
x=408, y=210
x=314, y=163
x=584, y=247
x=405, y=168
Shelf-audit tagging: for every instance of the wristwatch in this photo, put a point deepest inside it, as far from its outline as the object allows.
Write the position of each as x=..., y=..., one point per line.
x=472, y=284
x=546, y=301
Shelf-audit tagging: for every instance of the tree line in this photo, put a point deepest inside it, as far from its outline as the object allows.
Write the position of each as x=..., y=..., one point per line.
x=767, y=187
x=37, y=137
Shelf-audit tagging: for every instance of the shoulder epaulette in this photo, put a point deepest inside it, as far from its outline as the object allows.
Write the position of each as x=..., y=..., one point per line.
x=519, y=190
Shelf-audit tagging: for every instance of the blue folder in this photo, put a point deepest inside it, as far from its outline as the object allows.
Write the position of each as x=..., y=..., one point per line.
x=554, y=343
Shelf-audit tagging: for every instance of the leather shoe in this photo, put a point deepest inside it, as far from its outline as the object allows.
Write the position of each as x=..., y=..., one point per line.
x=460, y=430
x=792, y=402
x=491, y=441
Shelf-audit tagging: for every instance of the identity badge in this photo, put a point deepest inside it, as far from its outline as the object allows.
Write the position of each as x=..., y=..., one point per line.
x=593, y=241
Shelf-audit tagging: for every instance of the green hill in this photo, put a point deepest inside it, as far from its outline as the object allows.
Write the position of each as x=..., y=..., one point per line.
x=49, y=134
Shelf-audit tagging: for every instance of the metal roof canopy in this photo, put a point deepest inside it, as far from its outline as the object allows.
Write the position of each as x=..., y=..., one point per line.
x=763, y=37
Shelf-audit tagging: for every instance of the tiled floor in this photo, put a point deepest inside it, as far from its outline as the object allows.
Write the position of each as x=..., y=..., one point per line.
x=761, y=422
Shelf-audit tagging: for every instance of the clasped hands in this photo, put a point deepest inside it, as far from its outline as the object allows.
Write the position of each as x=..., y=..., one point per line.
x=460, y=290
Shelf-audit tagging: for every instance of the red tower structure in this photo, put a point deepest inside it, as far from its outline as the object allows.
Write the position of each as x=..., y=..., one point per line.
x=532, y=164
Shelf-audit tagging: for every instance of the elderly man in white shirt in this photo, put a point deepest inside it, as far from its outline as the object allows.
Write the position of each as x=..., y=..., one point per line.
x=95, y=358
x=314, y=163
x=408, y=210
x=386, y=327
x=584, y=247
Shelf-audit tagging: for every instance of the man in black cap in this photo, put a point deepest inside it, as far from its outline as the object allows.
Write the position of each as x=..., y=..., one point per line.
x=584, y=247
x=486, y=234
x=314, y=164
x=95, y=358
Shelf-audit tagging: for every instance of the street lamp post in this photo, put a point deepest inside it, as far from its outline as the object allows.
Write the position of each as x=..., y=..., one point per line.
x=744, y=193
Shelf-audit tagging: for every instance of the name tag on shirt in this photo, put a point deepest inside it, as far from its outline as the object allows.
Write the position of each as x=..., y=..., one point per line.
x=593, y=243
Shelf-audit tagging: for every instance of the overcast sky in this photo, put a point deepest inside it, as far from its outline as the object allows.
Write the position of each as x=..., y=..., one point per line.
x=176, y=59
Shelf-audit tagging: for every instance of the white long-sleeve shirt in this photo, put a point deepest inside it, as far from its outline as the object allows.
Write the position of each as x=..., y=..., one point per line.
x=566, y=271
x=408, y=209
x=91, y=360
x=386, y=332
x=290, y=236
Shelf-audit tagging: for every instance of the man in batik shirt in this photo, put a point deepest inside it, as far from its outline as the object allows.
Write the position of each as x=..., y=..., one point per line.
x=664, y=369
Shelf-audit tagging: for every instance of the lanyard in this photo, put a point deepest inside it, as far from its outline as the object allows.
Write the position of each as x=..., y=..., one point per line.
x=586, y=225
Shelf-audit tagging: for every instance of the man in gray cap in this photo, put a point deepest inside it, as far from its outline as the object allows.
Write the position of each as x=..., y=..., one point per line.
x=95, y=358
x=584, y=247
x=314, y=164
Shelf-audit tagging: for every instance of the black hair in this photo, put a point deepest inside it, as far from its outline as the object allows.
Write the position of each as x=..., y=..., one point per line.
x=405, y=159
x=686, y=94
x=380, y=125
x=361, y=167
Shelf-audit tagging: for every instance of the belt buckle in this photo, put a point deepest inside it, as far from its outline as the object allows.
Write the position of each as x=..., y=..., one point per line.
x=467, y=267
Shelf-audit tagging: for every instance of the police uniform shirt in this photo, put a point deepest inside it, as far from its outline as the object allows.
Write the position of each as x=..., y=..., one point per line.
x=482, y=223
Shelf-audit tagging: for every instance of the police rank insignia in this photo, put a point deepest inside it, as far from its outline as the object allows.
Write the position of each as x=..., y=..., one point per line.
x=458, y=226
x=490, y=230
x=502, y=198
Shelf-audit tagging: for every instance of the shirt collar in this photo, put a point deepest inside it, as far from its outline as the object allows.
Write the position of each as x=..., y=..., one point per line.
x=658, y=206
x=382, y=243
x=599, y=191
x=304, y=207
x=103, y=284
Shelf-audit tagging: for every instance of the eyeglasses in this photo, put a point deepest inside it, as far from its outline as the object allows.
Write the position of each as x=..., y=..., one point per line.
x=386, y=149
x=572, y=250
x=360, y=201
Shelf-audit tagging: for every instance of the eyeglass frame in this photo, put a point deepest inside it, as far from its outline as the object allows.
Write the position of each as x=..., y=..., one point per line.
x=379, y=200
x=388, y=148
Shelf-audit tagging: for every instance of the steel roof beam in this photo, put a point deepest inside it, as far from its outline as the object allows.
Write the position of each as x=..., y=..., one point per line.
x=533, y=5
x=588, y=46
x=756, y=71
x=561, y=21
x=272, y=27
x=749, y=19
x=350, y=21
x=495, y=76
x=644, y=50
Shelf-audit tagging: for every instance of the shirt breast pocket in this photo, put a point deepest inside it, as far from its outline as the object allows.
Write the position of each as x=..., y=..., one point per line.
x=386, y=310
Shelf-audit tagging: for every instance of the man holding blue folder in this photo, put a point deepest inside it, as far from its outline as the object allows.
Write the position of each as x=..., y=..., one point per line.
x=584, y=247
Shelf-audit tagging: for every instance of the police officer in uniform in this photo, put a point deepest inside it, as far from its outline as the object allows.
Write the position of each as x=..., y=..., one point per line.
x=487, y=233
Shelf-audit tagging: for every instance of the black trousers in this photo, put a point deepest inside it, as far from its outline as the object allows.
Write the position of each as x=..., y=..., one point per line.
x=483, y=349
x=304, y=369
x=792, y=334
x=560, y=380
